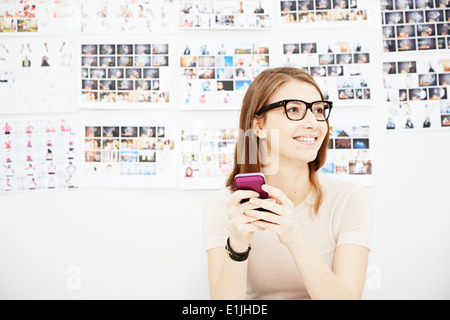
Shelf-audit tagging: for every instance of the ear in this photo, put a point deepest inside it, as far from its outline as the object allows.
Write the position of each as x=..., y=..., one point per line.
x=258, y=128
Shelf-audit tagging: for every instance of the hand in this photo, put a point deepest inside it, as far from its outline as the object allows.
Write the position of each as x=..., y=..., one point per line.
x=281, y=218
x=242, y=227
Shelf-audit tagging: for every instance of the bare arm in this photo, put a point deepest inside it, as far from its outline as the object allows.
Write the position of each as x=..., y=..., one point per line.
x=228, y=278
x=344, y=282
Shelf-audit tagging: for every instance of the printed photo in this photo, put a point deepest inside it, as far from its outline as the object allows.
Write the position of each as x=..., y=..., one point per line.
x=38, y=155
x=126, y=16
x=127, y=150
x=414, y=26
x=207, y=157
x=218, y=75
x=225, y=14
x=416, y=94
x=125, y=71
x=341, y=68
x=322, y=11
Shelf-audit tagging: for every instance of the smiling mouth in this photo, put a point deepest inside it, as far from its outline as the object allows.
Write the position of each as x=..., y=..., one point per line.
x=307, y=140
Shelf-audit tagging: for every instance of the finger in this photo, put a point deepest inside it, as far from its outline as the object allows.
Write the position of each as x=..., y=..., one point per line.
x=278, y=195
x=264, y=225
x=267, y=204
x=261, y=215
x=243, y=220
x=245, y=224
x=238, y=210
x=240, y=195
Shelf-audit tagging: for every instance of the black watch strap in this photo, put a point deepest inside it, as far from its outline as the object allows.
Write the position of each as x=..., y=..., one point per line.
x=239, y=257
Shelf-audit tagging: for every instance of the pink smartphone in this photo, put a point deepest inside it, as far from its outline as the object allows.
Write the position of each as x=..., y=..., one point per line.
x=251, y=181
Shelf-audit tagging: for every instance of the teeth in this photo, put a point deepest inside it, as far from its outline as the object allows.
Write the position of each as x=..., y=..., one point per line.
x=306, y=139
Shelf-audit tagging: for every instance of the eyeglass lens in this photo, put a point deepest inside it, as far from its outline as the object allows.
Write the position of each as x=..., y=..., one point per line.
x=296, y=110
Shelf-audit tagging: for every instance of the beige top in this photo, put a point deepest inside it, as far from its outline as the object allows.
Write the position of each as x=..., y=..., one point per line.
x=345, y=217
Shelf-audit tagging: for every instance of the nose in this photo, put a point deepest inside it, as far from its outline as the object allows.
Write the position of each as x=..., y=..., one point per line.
x=309, y=121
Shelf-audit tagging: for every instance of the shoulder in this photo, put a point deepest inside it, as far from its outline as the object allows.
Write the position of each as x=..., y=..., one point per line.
x=338, y=189
x=217, y=204
x=220, y=197
x=345, y=200
x=216, y=224
x=351, y=211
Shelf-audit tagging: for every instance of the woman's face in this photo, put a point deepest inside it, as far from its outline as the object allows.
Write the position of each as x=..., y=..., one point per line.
x=298, y=140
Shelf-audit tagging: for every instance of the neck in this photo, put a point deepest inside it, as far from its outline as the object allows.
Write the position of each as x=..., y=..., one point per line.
x=292, y=179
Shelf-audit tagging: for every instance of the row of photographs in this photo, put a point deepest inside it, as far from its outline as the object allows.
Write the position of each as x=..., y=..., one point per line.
x=320, y=11
x=217, y=74
x=213, y=76
x=220, y=73
x=127, y=16
x=129, y=154
x=208, y=155
x=416, y=93
x=225, y=14
x=160, y=15
x=341, y=68
x=415, y=16
x=416, y=30
x=424, y=44
x=38, y=155
x=125, y=73
x=389, y=5
x=416, y=26
x=127, y=150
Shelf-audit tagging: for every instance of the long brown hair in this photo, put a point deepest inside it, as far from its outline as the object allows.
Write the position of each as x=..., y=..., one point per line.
x=258, y=95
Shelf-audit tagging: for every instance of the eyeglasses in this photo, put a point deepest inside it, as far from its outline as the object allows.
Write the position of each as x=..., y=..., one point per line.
x=296, y=109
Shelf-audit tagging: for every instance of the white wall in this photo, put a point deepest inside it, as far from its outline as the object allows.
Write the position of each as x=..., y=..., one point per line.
x=147, y=244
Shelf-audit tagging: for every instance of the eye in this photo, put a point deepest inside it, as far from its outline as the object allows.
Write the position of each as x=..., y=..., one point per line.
x=319, y=110
x=293, y=110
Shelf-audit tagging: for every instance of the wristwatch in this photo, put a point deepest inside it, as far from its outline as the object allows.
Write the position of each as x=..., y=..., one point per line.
x=239, y=257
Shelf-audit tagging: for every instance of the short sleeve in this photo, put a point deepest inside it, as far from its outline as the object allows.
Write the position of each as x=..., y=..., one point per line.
x=216, y=224
x=356, y=219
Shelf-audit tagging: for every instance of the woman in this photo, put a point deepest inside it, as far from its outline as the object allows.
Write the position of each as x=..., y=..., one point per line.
x=314, y=241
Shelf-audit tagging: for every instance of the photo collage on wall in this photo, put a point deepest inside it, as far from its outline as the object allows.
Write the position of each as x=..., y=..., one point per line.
x=207, y=157
x=349, y=153
x=217, y=75
x=341, y=68
x=225, y=14
x=125, y=73
x=417, y=95
x=415, y=25
x=126, y=16
x=320, y=11
x=49, y=16
x=135, y=150
x=37, y=155
x=37, y=75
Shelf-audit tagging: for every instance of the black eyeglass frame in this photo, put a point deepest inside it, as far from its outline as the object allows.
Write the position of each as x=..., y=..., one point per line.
x=283, y=103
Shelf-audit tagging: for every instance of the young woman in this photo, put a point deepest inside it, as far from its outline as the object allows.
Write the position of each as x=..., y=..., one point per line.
x=313, y=240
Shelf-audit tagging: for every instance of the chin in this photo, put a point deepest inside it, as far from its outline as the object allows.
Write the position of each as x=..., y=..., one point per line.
x=303, y=158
